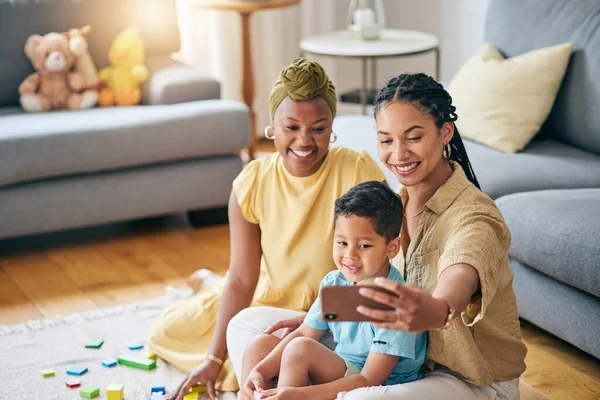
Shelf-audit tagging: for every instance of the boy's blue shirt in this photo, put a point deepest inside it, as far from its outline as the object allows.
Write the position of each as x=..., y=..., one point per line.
x=355, y=340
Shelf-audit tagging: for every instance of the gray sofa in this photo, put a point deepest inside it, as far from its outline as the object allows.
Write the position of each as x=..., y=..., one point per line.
x=549, y=193
x=177, y=152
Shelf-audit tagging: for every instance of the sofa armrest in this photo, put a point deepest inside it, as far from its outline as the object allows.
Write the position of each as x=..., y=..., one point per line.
x=171, y=82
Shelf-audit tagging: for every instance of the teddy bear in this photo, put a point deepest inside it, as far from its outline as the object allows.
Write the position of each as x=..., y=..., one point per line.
x=126, y=72
x=79, y=47
x=53, y=85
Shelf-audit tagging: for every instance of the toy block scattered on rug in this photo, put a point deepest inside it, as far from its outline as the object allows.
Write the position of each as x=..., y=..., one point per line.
x=47, y=373
x=89, y=392
x=136, y=346
x=109, y=362
x=158, y=389
x=114, y=392
x=194, y=392
x=149, y=355
x=77, y=370
x=73, y=383
x=95, y=344
x=137, y=362
x=157, y=396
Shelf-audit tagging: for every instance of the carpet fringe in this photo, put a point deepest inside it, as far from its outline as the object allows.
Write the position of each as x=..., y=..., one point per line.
x=172, y=294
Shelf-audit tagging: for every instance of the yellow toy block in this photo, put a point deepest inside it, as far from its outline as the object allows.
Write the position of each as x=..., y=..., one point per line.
x=114, y=392
x=47, y=373
x=149, y=355
x=193, y=395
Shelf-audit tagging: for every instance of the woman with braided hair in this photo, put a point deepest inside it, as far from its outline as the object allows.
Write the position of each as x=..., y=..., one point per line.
x=280, y=217
x=454, y=256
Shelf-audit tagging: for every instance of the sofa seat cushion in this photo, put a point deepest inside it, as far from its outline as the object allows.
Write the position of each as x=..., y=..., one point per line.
x=544, y=164
x=60, y=143
x=557, y=232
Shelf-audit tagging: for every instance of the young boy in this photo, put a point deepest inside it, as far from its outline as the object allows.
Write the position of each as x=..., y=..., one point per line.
x=366, y=229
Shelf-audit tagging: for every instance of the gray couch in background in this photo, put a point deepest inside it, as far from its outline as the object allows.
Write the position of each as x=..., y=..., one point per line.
x=549, y=193
x=176, y=152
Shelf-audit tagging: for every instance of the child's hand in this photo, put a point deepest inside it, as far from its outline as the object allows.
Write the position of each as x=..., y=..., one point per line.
x=289, y=325
x=286, y=393
x=254, y=382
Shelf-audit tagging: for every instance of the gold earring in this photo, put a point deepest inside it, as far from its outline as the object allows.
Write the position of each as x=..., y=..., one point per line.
x=334, y=137
x=267, y=130
x=447, y=151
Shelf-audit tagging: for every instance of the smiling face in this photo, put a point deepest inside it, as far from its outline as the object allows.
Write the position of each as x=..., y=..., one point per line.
x=409, y=142
x=359, y=252
x=302, y=131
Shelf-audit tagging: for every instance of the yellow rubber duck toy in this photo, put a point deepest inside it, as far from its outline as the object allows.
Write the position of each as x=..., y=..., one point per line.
x=126, y=73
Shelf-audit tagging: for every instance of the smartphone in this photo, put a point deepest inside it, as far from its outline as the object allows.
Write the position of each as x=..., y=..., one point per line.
x=338, y=303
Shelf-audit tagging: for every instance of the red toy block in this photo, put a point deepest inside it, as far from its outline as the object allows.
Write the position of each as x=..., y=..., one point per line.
x=73, y=383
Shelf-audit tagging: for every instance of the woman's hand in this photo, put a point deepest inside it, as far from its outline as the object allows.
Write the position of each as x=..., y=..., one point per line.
x=205, y=374
x=289, y=325
x=415, y=310
x=285, y=393
x=254, y=381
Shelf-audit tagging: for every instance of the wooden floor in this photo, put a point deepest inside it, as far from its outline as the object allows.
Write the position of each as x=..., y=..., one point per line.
x=47, y=275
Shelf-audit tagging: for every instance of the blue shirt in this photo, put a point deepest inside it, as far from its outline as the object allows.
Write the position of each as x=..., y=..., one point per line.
x=355, y=340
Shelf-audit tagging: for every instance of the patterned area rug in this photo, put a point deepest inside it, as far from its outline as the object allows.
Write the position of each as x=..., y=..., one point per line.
x=28, y=349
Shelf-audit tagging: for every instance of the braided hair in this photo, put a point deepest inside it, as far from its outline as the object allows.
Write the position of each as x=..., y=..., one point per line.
x=431, y=98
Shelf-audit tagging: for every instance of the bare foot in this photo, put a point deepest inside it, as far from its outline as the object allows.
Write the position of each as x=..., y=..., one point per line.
x=203, y=279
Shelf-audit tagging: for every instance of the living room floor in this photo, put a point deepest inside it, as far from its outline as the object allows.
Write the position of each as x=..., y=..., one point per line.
x=67, y=272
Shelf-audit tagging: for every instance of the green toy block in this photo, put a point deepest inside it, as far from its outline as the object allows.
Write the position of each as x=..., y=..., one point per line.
x=94, y=344
x=137, y=362
x=89, y=392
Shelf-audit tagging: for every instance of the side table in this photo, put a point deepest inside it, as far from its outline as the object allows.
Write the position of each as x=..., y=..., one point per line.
x=245, y=8
x=393, y=43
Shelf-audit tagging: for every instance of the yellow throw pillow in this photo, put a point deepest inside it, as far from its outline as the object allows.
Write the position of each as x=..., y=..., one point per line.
x=503, y=103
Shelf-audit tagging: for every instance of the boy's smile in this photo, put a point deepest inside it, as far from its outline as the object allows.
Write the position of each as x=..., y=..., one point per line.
x=359, y=252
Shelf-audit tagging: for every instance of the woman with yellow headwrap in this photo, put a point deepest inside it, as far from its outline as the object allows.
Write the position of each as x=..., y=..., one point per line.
x=281, y=225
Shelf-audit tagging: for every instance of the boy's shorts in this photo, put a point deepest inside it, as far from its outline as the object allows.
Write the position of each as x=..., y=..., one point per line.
x=351, y=369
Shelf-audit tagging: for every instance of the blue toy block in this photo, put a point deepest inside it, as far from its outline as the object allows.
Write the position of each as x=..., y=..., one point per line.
x=158, y=389
x=109, y=362
x=136, y=346
x=77, y=370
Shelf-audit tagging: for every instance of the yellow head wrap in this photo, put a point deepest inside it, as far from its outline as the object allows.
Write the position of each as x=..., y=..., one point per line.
x=302, y=80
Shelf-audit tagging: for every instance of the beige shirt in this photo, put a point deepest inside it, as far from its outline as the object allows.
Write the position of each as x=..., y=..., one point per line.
x=461, y=224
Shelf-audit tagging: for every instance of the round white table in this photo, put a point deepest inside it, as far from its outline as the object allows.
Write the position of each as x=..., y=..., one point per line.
x=392, y=43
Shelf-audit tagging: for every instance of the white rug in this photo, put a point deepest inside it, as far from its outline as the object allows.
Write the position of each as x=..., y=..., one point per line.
x=28, y=349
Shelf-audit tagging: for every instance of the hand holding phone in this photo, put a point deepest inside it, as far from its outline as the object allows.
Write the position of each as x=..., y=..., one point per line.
x=339, y=303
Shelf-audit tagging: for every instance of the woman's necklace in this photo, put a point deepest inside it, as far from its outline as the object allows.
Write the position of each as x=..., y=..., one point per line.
x=413, y=216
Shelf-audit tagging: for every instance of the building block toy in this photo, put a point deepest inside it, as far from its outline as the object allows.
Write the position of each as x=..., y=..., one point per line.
x=157, y=396
x=95, y=344
x=158, y=389
x=137, y=362
x=47, y=373
x=109, y=362
x=136, y=346
x=77, y=370
x=149, y=355
x=89, y=392
x=73, y=383
x=194, y=393
x=114, y=392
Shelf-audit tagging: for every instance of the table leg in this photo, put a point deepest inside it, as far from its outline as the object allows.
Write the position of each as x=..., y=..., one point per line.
x=373, y=74
x=363, y=92
x=437, y=64
x=248, y=80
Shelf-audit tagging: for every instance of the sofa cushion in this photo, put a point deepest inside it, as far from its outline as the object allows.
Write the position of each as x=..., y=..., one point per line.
x=59, y=143
x=516, y=27
x=155, y=19
x=557, y=232
x=503, y=102
x=544, y=164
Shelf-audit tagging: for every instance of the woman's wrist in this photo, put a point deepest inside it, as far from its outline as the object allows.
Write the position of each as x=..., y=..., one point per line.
x=448, y=314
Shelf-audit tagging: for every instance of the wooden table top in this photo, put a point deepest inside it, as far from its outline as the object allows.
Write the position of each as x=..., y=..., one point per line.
x=245, y=6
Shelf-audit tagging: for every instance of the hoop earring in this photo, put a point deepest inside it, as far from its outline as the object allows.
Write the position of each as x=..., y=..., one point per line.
x=267, y=129
x=447, y=151
x=334, y=137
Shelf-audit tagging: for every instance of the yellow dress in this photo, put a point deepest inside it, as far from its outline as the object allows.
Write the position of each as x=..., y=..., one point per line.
x=295, y=216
